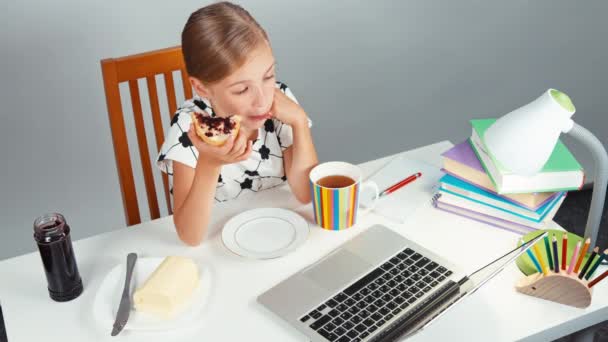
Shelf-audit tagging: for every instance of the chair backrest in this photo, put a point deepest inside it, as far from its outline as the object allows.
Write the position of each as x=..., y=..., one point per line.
x=129, y=69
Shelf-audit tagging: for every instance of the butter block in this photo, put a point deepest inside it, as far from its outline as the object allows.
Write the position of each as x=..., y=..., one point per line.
x=169, y=288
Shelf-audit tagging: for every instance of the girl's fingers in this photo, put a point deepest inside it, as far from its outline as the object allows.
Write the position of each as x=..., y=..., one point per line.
x=194, y=139
x=245, y=155
x=239, y=146
x=227, y=147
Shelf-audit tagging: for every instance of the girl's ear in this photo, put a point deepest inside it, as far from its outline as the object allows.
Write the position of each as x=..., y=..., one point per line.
x=201, y=89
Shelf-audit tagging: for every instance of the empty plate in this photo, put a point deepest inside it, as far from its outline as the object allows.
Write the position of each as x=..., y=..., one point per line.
x=265, y=233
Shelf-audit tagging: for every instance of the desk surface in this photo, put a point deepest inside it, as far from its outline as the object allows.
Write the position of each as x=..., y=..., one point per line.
x=495, y=312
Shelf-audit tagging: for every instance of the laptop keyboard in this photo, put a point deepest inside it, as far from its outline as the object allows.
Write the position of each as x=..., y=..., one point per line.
x=370, y=302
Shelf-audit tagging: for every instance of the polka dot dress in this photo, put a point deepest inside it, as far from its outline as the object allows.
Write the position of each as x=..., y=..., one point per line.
x=263, y=170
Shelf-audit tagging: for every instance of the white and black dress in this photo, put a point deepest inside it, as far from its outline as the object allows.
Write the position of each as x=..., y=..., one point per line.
x=263, y=170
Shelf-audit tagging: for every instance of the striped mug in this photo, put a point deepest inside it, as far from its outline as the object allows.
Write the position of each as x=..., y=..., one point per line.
x=335, y=190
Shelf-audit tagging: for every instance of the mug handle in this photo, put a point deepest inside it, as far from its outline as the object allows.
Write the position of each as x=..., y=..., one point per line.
x=373, y=186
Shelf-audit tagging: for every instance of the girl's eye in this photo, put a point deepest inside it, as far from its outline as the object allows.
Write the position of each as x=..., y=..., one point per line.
x=269, y=77
x=242, y=91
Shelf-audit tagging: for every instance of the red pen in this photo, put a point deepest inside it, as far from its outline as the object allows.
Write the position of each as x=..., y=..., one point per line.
x=401, y=184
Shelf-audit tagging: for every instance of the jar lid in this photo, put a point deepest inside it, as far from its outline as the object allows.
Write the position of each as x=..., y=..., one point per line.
x=50, y=227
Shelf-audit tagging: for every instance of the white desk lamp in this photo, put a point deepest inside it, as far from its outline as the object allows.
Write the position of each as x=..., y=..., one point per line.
x=523, y=141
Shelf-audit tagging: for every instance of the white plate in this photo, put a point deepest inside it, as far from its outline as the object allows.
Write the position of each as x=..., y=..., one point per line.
x=265, y=233
x=108, y=296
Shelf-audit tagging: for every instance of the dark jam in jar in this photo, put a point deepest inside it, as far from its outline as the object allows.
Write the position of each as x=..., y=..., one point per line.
x=52, y=235
x=3, y=337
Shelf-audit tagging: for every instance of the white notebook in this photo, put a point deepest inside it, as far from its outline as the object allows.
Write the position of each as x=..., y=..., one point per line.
x=401, y=204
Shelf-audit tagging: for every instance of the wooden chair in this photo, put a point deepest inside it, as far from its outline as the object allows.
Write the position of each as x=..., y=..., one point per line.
x=129, y=69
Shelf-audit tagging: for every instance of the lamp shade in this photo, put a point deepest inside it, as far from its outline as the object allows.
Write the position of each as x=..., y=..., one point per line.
x=524, y=139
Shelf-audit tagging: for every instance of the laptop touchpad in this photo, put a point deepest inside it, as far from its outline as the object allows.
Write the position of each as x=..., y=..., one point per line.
x=337, y=270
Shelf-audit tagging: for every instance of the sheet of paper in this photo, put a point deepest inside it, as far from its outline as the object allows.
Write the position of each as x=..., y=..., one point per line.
x=399, y=205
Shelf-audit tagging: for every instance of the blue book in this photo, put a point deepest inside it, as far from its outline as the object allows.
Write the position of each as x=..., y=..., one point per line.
x=457, y=187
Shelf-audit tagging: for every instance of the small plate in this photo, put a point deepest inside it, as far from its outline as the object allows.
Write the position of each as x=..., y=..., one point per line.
x=107, y=298
x=265, y=233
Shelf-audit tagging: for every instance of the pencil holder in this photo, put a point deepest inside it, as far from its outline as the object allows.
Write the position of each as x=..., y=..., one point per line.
x=560, y=287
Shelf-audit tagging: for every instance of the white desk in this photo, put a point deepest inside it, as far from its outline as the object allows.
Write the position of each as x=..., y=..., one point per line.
x=494, y=313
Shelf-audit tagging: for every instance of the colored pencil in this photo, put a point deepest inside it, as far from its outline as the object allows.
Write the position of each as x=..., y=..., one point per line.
x=533, y=258
x=548, y=250
x=597, y=264
x=588, y=263
x=540, y=258
x=574, y=257
x=598, y=279
x=564, y=250
x=582, y=255
x=555, y=255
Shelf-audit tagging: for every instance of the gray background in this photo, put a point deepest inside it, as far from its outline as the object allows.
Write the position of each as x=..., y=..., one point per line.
x=376, y=77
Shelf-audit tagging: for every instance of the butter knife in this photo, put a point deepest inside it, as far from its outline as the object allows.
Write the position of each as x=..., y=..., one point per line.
x=122, y=316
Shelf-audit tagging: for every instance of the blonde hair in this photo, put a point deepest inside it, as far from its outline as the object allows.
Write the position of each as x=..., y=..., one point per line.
x=217, y=39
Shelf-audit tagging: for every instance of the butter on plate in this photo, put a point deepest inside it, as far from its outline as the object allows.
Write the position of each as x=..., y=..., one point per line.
x=169, y=288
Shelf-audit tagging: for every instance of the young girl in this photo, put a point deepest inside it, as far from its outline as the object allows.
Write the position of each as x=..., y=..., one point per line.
x=232, y=70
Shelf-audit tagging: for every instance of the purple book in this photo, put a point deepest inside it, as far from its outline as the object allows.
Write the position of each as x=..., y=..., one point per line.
x=480, y=217
x=463, y=153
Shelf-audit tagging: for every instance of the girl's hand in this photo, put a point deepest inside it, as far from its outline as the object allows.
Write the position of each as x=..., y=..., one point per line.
x=234, y=150
x=286, y=110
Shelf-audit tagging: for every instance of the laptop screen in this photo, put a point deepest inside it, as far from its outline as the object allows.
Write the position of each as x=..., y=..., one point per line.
x=475, y=280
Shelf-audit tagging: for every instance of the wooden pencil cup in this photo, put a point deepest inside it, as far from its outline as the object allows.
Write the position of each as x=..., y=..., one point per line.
x=560, y=287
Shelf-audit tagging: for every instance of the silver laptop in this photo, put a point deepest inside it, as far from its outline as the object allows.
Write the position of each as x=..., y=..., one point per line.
x=379, y=286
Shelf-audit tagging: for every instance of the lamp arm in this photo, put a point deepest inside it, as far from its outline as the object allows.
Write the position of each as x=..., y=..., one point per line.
x=600, y=157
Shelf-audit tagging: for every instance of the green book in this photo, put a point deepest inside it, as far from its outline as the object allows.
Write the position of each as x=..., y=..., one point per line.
x=561, y=172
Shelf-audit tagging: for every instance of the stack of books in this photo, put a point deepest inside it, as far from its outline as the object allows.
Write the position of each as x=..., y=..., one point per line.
x=477, y=186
